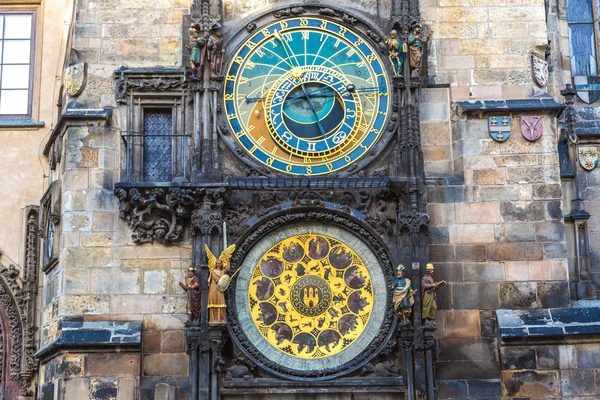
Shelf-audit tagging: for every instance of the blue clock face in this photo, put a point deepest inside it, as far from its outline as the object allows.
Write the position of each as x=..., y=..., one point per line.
x=306, y=96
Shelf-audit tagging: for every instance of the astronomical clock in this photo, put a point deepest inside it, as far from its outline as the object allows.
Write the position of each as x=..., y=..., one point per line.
x=308, y=96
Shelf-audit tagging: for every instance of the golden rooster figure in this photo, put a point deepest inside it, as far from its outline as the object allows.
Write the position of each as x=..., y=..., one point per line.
x=216, y=298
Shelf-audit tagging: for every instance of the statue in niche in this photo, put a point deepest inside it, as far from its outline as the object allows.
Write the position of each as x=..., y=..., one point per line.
x=192, y=288
x=416, y=42
x=195, y=47
x=403, y=295
x=216, y=297
x=206, y=51
x=397, y=52
x=429, y=290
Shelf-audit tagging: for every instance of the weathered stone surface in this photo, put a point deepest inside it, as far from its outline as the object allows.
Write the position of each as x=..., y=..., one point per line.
x=151, y=341
x=498, y=193
x=518, y=295
x=515, y=251
x=554, y=294
x=127, y=388
x=489, y=272
x=76, y=281
x=547, y=191
x=472, y=233
x=488, y=324
x=488, y=177
x=84, y=305
x=173, y=305
x=77, y=388
x=547, y=357
x=577, y=382
x=87, y=257
x=77, y=221
x=115, y=281
x=519, y=232
x=462, y=323
x=550, y=231
x=475, y=296
x=567, y=356
x=530, y=383
x=175, y=364
x=112, y=364
x=155, y=282
x=173, y=341
x=135, y=304
x=517, y=357
x=162, y=322
x=522, y=211
x=475, y=253
x=588, y=355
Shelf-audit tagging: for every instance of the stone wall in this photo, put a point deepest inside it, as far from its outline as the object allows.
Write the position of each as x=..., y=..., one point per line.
x=482, y=47
x=112, y=33
x=497, y=235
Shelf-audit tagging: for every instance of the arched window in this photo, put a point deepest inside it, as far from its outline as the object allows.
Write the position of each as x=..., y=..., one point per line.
x=582, y=37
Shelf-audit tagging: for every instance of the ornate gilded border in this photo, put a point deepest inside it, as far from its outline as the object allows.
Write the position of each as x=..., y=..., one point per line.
x=274, y=222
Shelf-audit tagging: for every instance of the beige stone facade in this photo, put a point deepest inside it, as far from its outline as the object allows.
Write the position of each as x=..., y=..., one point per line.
x=502, y=232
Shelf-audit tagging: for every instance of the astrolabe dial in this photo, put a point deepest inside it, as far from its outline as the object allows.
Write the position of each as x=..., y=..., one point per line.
x=310, y=296
x=306, y=96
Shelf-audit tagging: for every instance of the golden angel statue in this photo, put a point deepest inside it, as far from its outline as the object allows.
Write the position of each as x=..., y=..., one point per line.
x=218, y=269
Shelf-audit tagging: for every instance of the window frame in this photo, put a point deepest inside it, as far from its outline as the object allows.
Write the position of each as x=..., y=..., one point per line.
x=32, y=54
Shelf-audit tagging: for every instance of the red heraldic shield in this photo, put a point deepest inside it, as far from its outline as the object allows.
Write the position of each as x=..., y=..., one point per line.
x=531, y=128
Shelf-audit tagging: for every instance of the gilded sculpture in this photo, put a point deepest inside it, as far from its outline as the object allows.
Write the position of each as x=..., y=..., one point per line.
x=429, y=290
x=403, y=295
x=217, y=267
x=416, y=42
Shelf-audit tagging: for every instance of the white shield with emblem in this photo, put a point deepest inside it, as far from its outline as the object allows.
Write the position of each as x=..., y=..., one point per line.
x=588, y=157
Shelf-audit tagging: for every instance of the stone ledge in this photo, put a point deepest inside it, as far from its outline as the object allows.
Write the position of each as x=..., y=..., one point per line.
x=77, y=334
x=581, y=319
x=535, y=104
x=20, y=123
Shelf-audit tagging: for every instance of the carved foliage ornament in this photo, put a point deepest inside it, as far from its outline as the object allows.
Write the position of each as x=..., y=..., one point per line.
x=127, y=80
x=13, y=301
x=159, y=214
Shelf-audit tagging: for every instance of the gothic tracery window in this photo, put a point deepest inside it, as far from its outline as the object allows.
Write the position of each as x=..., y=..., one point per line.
x=582, y=37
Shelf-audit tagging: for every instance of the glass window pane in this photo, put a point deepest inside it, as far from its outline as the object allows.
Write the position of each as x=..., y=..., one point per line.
x=13, y=101
x=583, y=51
x=15, y=77
x=17, y=27
x=16, y=52
x=1, y=26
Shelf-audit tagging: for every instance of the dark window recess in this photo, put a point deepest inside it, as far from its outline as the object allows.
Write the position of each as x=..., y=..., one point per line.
x=158, y=145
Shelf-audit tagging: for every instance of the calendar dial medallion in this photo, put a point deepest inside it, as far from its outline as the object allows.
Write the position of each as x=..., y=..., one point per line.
x=306, y=96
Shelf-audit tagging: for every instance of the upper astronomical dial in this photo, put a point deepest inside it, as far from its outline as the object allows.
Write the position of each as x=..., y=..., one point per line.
x=306, y=96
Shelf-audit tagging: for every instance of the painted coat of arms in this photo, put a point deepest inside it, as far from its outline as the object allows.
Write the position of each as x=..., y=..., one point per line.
x=75, y=79
x=540, y=70
x=588, y=157
x=587, y=88
x=499, y=128
x=531, y=128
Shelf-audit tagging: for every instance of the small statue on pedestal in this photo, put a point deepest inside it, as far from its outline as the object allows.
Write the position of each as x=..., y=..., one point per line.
x=429, y=295
x=206, y=50
x=403, y=295
x=416, y=48
x=216, y=298
x=397, y=51
x=192, y=288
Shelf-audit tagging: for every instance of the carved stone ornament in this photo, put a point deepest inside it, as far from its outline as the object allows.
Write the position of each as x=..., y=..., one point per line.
x=159, y=214
x=75, y=78
x=283, y=220
x=413, y=221
x=14, y=310
x=540, y=70
x=127, y=80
